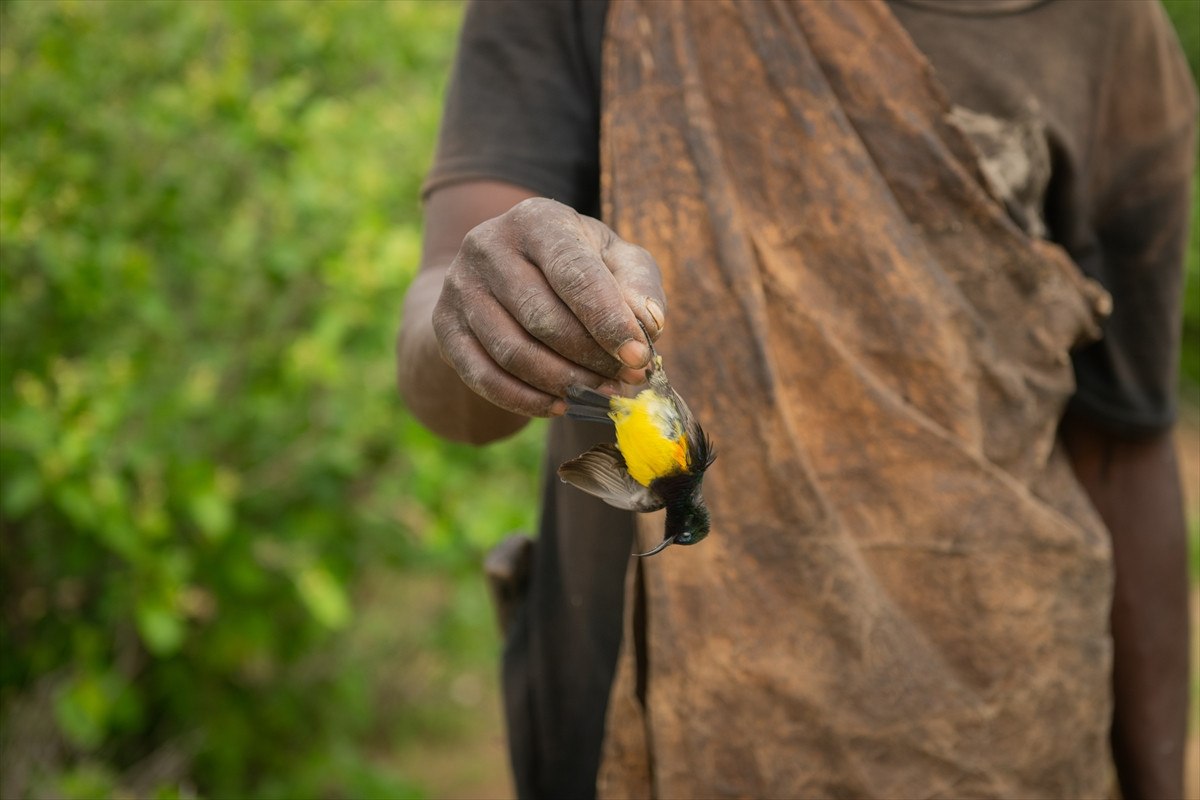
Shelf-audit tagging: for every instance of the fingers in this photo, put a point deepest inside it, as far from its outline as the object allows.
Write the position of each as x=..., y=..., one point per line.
x=638, y=275
x=491, y=262
x=541, y=299
x=533, y=303
x=583, y=281
x=635, y=271
x=571, y=252
x=500, y=360
x=462, y=351
x=516, y=352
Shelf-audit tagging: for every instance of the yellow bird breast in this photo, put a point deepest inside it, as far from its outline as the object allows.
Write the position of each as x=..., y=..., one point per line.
x=649, y=435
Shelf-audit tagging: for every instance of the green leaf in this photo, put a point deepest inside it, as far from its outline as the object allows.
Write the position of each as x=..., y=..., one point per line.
x=323, y=596
x=212, y=514
x=21, y=493
x=81, y=709
x=161, y=628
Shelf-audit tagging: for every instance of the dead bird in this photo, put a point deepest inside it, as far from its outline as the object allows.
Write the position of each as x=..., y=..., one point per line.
x=658, y=460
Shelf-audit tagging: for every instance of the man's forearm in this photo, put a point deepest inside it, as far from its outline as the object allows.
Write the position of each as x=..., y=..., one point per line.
x=1134, y=484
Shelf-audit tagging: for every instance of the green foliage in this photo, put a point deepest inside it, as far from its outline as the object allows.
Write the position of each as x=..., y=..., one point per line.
x=1189, y=365
x=1185, y=15
x=208, y=218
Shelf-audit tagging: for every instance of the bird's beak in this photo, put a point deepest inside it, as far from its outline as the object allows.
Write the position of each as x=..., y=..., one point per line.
x=661, y=546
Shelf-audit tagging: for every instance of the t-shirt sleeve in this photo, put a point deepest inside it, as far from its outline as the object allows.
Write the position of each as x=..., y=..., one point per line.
x=522, y=105
x=1142, y=161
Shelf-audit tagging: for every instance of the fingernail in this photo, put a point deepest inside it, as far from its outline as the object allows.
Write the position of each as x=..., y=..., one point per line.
x=609, y=387
x=632, y=376
x=633, y=353
x=655, y=311
x=558, y=408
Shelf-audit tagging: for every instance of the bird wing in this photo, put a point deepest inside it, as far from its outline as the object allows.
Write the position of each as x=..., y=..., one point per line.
x=601, y=472
x=700, y=449
x=588, y=405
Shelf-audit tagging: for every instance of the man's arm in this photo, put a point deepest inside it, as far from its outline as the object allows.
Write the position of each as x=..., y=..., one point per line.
x=517, y=299
x=1134, y=484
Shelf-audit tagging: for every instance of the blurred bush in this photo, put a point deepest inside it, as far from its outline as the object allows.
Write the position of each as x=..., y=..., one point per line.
x=208, y=217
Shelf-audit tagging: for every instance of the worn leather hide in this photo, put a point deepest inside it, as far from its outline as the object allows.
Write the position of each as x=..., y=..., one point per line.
x=905, y=593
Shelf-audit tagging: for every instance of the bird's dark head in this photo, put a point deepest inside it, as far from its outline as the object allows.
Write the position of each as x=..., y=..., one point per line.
x=689, y=522
x=687, y=516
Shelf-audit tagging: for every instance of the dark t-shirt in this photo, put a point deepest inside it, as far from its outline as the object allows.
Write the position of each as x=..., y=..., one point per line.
x=1100, y=90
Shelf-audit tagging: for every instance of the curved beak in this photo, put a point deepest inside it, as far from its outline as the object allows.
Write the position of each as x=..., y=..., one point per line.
x=661, y=546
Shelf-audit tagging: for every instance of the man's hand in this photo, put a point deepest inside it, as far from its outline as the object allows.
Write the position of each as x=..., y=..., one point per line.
x=518, y=298
x=541, y=298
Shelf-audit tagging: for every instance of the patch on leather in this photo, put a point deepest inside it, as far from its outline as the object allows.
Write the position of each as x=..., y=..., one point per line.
x=1015, y=159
